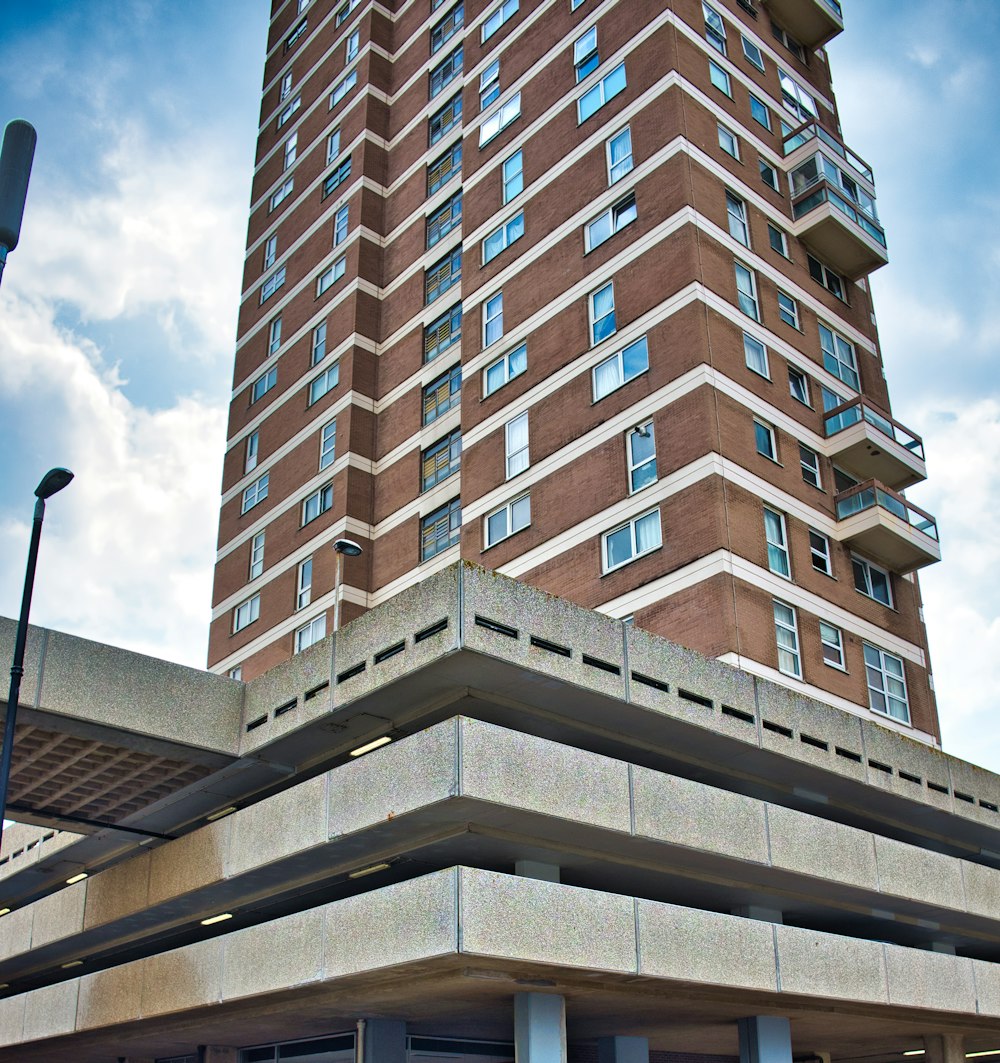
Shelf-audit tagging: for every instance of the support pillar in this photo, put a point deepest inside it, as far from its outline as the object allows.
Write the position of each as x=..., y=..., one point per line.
x=757, y=911
x=622, y=1050
x=537, y=869
x=381, y=1041
x=217, y=1054
x=539, y=1028
x=765, y=1039
x=946, y=1048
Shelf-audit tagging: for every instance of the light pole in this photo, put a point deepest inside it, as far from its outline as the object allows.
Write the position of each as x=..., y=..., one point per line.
x=15, y=168
x=343, y=547
x=54, y=480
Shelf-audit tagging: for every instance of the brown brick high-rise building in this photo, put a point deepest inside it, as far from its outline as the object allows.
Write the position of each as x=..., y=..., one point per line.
x=575, y=289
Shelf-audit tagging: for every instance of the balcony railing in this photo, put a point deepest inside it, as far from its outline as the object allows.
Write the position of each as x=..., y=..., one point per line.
x=813, y=130
x=871, y=494
x=884, y=526
x=825, y=193
x=848, y=413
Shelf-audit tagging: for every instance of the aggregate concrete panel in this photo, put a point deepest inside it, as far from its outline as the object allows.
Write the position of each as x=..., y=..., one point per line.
x=546, y=922
x=982, y=889
x=692, y=945
x=821, y=848
x=58, y=915
x=12, y=1019
x=117, y=892
x=417, y=771
x=519, y=770
x=28, y=694
x=117, y=688
x=979, y=784
x=182, y=978
x=902, y=753
x=909, y=871
x=703, y=817
x=919, y=979
x=400, y=923
x=533, y=613
x=109, y=997
x=828, y=965
x=15, y=932
x=291, y=821
x=987, y=979
x=293, y=946
x=190, y=862
x=51, y=1011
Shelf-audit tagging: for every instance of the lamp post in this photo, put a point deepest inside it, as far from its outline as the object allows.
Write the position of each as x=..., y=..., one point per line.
x=15, y=168
x=54, y=480
x=343, y=547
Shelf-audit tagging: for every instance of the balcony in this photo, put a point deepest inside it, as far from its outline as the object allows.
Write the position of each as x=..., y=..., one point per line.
x=810, y=22
x=833, y=201
x=870, y=445
x=887, y=528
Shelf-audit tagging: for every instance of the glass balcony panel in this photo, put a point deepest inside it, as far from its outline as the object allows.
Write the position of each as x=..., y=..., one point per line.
x=882, y=449
x=884, y=526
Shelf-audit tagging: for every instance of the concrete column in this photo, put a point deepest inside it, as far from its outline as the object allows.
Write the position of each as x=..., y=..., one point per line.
x=217, y=1054
x=381, y=1041
x=943, y=946
x=537, y=869
x=948, y=1048
x=757, y=911
x=539, y=1028
x=765, y=1039
x=622, y=1050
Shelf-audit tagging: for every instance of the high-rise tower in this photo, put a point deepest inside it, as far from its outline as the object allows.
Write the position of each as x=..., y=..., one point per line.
x=576, y=290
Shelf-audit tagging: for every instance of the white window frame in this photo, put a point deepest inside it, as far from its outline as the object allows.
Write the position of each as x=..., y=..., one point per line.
x=508, y=510
x=517, y=455
x=804, y=398
x=610, y=86
x=782, y=240
x=867, y=568
x=323, y=499
x=353, y=45
x=272, y=284
x=330, y=276
x=236, y=673
x=507, y=362
x=303, y=584
x=505, y=113
x=501, y=14
x=715, y=28
x=832, y=642
x=619, y=358
x=489, y=85
x=788, y=309
x=311, y=633
x=288, y=111
x=755, y=356
x=886, y=676
x=290, y=150
x=791, y=631
x=286, y=86
x=257, y=555
x=343, y=87
x=280, y=194
x=595, y=339
x=819, y=550
x=323, y=383
x=839, y=357
x=769, y=175
x=810, y=468
x=274, y=335
x=255, y=493
x=617, y=170
x=511, y=175
x=729, y=142
x=720, y=78
x=635, y=553
x=739, y=222
x=270, y=250
x=779, y=558
x=617, y=217
x=511, y=231
x=318, y=352
x=341, y=224
x=751, y=296
x=492, y=319
x=246, y=613
x=753, y=55
x=766, y=122
x=251, y=453
x=328, y=445
x=332, y=146
x=637, y=463
x=586, y=58
x=769, y=435
x=263, y=384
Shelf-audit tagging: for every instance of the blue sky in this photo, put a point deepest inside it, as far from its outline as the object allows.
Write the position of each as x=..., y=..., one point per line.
x=118, y=310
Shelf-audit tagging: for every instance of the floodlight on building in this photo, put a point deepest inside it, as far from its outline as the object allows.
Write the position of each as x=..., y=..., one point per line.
x=4, y=911
x=222, y=812
x=369, y=746
x=220, y=918
x=76, y=878
x=72, y=963
x=361, y=872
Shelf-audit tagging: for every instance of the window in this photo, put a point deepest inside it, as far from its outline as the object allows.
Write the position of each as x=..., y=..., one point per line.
x=832, y=640
x=778, y=240
x=274, y=335
x=768, y=175
x=270, y=250
x=602, y=314
x=504, y=369
x=886, y=684
x=330, y=276
x=257, y=555
x=746, y=287
x=263, y=384
x=755, y=354
x=753, y=54
x=508, y=519
x=289, y=110
x=353, y=42
x=318, y=344
x=606, y=89
x=789, y=42
x=777, y=543
x=444, y=219
x=728, y=142
x=445, y=72
x=342, y=88
x=442, y=394
x=500, y=119
x=715, y=29
x=759, y=112
x=620, y=368
x=871, y=581
x=788, y=311
x=290, y=150
x=250, y=458
x=439, y=461
x=585, y=57
x=833, y=282
x=513, y=177
x=293, y=37
x=344, y=12
x=316, y=503
x=447, y=118
x=442, y=275
x=492, y=319
x=507, y=10
x=489, y=85
x=613, y=220
x=447, y=27
x=440, y=529
x=819, y=551
x=246, y=613
x=787, y=636
x=736, y=209
x=286, y=86
x=236, y=673
x=303, y=587
x=719, y=78
x=500, y=239
x=272, y=284
x=619, y=155
x=254, y=494
x=795, y=99
x=636, y=537
x=327, y=445
x=809, y=461
x=341, y=224
x=311, y=633
x=441, y=333
x=516, y=445
x=444, y=168
x=640, y=450
x=332, y=146
x=798, y=386
x=838, y=357
x=338, y=177
x=325, y=382
x=279, y=195
x=764, y=439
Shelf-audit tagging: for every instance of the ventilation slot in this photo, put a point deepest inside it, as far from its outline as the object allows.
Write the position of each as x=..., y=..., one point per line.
x=254, y=724
x=389, y=651
x=988, y=805
x=910, y=778
x=816, y=743
x=648, y=681
x=847, y=754
x=604, y=666
x=313, y=691
x=552, y=647
x=936, y=787
x=429, y=632
x=287, y=707
x=777, y=729
x=495, y=625
x=350, y=673
x=968, y=798
x=879, y=766
x=738, y=714
x=698, y=699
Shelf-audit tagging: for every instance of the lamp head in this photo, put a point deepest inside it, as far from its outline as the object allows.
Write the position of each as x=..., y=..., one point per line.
x=54, y=480
x=348, y=547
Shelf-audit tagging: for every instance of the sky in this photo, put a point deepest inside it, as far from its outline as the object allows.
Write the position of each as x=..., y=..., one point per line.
x=118, y=309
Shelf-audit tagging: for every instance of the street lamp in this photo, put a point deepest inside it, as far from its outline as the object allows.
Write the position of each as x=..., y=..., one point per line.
x=343, y=547
x=15, y=168
x=54, y=480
